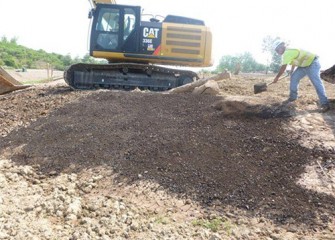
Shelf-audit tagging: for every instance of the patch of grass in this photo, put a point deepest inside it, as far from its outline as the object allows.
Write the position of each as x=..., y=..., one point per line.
x=161, y=220
x=213, y=224
x=38, y=81
x=228, y=227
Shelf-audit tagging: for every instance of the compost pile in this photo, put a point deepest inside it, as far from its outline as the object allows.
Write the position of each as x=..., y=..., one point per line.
x=141, y=165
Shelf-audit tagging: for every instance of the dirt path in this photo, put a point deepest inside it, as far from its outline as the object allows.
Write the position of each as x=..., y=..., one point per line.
x=115, y=165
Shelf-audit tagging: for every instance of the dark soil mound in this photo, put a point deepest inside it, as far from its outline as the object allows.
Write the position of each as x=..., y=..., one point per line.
x=182, y=143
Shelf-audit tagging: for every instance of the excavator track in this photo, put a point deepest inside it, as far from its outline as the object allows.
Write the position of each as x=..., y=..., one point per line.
x=126, y=76
x=329, y=75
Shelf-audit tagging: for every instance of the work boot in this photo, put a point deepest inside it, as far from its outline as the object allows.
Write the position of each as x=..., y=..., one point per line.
x=324, y=108
x=289, y=100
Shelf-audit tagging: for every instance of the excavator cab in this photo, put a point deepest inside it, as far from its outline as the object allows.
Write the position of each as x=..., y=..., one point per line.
x=114, y=29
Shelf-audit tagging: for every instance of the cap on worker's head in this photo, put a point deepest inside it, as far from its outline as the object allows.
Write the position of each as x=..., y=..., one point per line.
x=278, y=43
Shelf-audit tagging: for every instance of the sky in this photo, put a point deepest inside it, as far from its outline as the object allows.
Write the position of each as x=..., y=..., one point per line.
x=238, y=26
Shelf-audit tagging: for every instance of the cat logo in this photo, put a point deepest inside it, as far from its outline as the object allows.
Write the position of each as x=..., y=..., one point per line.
x=150, y=32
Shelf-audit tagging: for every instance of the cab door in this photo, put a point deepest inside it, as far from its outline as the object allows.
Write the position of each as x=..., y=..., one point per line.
x=114, y=28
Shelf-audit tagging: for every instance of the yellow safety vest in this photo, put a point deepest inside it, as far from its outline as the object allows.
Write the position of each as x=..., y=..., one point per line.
x=298, y=57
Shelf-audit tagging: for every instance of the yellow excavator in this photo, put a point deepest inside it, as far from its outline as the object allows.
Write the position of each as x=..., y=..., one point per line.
x=8, y=83
x=135, y=49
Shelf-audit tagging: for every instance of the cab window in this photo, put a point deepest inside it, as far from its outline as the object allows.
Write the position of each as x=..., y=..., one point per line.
x=129, y=22
x=108, y=29
x=108, y=20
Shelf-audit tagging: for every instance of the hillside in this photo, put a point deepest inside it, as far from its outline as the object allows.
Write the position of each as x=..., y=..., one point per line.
x=15, y=56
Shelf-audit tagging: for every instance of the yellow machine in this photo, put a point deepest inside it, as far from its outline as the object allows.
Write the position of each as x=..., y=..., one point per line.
x=134, y=48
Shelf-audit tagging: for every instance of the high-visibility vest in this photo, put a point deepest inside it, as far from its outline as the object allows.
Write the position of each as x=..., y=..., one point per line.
x=299, y=57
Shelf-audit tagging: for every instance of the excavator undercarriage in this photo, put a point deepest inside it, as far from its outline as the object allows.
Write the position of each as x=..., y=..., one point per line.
x=126, y=76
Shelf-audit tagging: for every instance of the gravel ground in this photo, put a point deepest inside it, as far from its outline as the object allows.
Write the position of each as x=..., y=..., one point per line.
x=134, y=165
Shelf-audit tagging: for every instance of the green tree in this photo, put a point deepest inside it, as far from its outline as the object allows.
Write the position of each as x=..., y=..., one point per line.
x=10, y=62
x=246, y=61
x=14, y=40
x=67, y=60
x=4, y=39
x=14, y=55
x=227, y=62
x=274, y=60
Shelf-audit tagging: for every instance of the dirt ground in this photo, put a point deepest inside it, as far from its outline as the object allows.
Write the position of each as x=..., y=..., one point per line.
x=140, y=165
x=30, y=75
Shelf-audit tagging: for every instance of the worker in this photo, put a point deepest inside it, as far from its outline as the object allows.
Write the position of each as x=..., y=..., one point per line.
x=306, y=63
